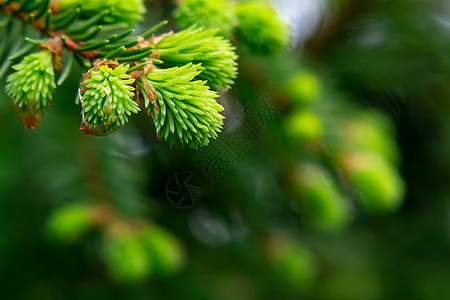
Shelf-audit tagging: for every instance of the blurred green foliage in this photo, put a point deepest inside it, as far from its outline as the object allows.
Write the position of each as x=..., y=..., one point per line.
x=209, y=14
x=341, y=195
x=320, y=200
x=69, y=223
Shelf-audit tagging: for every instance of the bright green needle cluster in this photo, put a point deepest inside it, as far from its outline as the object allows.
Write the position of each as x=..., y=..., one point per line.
x=261, y=28
x=108, y=99
x=33, y=83
x=129, y=11
x=206, y=13
x=185, y=108
x=32, y=86
x=197, y=45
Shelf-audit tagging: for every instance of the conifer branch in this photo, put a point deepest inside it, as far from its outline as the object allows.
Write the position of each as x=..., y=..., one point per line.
x=114, y=59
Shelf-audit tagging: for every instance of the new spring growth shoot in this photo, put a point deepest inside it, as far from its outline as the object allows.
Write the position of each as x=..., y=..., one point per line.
x=31, y=87
x=173, y=76
x=197, y=45
x=107, y=99
x=186, y=108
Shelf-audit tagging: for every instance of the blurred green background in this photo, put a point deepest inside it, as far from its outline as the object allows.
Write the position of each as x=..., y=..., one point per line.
x=330, y=180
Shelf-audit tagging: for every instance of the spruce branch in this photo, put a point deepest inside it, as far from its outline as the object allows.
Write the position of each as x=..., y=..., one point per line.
x=122, y=67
